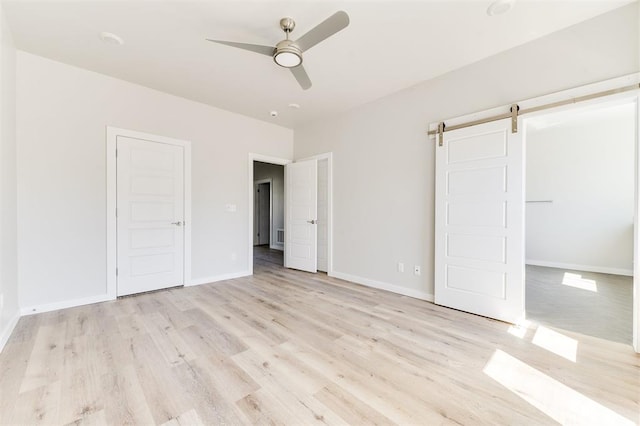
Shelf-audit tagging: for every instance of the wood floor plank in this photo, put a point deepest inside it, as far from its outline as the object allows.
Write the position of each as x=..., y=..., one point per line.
x=159, y=384
x=125, y=403
x=46, y=360
x=263, y=408
x=84, y=365
x=190, y=418
x=349, y=408
x=39, y=406
x=210, y=401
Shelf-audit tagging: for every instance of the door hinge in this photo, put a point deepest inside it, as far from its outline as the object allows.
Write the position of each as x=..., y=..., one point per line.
x=116, y=153
x=116, y=272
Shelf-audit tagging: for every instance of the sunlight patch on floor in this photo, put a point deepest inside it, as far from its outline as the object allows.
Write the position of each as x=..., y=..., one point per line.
x=555, y=342
x=548, y=395
x=576, y=280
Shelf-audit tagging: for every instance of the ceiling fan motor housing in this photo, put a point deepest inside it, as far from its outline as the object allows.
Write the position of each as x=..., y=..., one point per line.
x=287, y=54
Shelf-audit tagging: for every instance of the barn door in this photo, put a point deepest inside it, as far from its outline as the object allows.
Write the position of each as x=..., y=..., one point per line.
x=479, y=247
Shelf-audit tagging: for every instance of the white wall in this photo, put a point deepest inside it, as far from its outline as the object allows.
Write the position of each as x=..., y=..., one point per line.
x=584, y=163
x=62, y=114
x=383, y=161
x=9, y=309
x=276, y=173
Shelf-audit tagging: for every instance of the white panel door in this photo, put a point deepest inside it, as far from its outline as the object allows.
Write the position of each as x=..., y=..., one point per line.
x=479, y=247
x=301, y=182
x=150, y=220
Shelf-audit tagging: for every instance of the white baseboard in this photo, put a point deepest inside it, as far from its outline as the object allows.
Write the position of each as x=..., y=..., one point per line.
x=6, y=333
x=416, y=294
x=277, y=246
x=586, y=268
x=222, y=277
x=30, y=310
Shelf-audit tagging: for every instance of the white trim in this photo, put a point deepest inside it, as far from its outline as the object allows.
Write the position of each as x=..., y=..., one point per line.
x=416, y=294
x=255, y=188
x=112, y=258
x=8, y=330
x=263, y=159
x=216, y=278
x=585, y=268
x=329, y=157
x=636, y=238
x=48, y=307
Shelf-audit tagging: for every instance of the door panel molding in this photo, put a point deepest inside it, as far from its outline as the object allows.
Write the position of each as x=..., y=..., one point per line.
x=112, y=134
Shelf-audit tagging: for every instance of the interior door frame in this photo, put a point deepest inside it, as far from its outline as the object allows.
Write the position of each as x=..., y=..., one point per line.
x=112, y=134
x=253, y=157
x=621, y=98
x=573, y=93
x=255, y=187
x=282, y=162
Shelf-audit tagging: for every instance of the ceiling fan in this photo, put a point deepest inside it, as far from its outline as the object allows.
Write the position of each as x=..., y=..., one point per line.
x=288, y=53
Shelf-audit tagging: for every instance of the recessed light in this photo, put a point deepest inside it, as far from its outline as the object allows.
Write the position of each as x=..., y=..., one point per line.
x=499, y=7
x=274, y=113
x=111, y=38
x=294, y=106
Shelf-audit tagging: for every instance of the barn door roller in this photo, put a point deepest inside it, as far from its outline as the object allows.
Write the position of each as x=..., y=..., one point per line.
x=514, y=118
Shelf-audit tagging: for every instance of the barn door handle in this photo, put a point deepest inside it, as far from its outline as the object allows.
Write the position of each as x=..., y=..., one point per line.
x=178, y=223
x=312, y=221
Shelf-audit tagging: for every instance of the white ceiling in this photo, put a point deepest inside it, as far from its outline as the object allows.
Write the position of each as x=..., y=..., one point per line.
x=388, y=46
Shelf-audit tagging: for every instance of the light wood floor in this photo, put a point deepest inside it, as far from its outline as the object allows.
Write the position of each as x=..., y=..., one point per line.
x=599, y=305
x=286, y=347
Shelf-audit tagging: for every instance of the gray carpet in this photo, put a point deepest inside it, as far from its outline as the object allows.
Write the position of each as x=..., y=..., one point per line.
x=606, y=313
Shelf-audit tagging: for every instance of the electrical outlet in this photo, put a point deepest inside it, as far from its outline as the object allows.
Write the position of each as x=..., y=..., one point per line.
x=416, y=270
x=400, y=267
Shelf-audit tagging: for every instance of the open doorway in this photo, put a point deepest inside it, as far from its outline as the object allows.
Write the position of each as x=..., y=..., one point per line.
x=580, y=191
x=268, y=214
x=278, y=175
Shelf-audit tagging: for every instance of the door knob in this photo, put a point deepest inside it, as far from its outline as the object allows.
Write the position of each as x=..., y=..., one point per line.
x=312, y=221
x=178, y=223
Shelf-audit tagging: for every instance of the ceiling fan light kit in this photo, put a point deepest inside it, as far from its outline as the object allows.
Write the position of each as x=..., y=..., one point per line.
x=288, y=53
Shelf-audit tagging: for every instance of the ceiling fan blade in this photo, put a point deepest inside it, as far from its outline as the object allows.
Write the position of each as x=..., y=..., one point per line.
x=325, y=29
x=265, y=50
x=301, y=75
